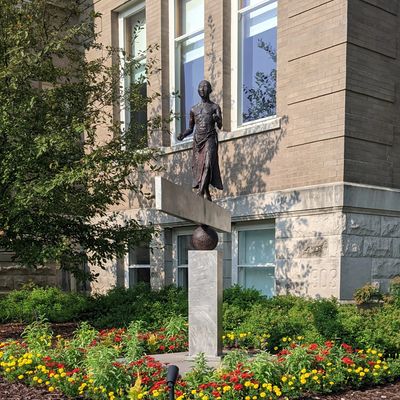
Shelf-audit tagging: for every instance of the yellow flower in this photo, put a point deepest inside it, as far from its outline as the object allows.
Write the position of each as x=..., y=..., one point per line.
x=263, y=394
x=331, y=383
x=20, y=376
x=51, y=389
x=284, y=378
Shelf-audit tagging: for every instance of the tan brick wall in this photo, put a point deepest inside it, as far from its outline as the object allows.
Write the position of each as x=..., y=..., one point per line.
x=372, y=116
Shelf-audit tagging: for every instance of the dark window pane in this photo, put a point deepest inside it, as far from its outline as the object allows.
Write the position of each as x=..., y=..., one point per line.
x=183, y=247
x=139, y=255
x=183, y=278
x=139, y=275
x=136, y=80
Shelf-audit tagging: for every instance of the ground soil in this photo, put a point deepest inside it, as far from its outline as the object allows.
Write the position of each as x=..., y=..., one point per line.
x=18, y=391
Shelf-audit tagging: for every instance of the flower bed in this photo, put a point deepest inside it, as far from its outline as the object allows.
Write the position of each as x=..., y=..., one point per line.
x=89, y=366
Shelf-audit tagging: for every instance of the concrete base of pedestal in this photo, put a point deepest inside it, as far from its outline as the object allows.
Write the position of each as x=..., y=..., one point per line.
x=205, y=303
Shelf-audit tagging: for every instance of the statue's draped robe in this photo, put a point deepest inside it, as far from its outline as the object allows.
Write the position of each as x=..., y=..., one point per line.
x=205, y=146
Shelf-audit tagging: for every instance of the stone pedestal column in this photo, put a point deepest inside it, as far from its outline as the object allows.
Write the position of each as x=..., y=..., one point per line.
x=205, y=303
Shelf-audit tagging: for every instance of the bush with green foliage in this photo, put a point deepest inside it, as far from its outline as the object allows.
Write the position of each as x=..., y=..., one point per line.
x=32, y=302
x=119, y=307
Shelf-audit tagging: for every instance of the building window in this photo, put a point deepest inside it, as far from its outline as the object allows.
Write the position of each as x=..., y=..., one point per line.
x=181, y=241
x=183, y=245
x=139, y=265
x=256, y=59
x=255, y=258
x=132, y=38
x=187, y=60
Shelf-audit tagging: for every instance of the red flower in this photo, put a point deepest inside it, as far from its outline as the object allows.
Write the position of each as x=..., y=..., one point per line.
x=347, y=360
x=329, y=344
x=117, y=339
x=319, y=358
x=162, y=348
x=348, y=348
x=238, y=386
x=172, y=347
x=313, y=346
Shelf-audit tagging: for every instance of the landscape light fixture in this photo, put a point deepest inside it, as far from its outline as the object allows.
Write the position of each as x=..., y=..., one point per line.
x=172, y=376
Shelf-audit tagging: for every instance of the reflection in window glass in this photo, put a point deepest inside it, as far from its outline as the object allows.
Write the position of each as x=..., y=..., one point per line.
x=256, y=260
x=191, y=10
x=258, y=60
x=257, y=247
x=192, y=71
x=262, y=279
x=136, y=48
x=189, y=45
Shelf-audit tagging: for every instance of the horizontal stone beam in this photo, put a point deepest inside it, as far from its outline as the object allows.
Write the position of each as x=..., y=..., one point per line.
x=184, y=204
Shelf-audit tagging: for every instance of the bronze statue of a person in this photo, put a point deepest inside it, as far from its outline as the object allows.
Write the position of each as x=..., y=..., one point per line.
x=205, y=168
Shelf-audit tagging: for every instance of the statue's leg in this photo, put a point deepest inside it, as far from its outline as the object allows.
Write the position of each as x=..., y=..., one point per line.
x=206, y=177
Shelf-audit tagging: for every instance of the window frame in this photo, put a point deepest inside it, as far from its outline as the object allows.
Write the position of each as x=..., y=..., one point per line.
x=135, y=266
x=175, y=267
x=235, y=249
x=236, y=94
x=123, y=15
x=175, y=65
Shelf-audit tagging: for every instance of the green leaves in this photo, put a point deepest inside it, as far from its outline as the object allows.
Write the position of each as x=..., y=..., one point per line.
x=62, y=158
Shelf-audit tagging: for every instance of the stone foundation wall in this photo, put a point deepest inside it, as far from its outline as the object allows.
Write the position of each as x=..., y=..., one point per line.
x=308, y=254
x=370, y=251
x=13, y=276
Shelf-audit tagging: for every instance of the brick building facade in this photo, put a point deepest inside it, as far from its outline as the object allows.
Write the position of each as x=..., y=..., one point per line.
x=314, y=187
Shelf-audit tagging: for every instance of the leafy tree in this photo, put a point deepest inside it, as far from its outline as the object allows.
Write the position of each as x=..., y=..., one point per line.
x=58, y=179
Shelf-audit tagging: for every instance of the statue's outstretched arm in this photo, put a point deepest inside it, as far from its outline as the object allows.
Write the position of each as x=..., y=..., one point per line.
x=218, y=117
x=188, y=131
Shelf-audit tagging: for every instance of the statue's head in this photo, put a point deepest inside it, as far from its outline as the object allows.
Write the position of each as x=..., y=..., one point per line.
x=204, y=89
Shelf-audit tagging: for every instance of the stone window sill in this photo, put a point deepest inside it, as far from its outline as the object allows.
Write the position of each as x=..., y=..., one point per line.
x=265, y=125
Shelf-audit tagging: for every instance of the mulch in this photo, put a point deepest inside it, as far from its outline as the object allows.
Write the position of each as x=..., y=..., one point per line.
x=14, y=331
x=19, y=391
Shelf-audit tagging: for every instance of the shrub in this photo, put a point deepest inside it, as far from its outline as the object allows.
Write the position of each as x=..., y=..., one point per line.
x=32, y=302
x=325, y=313
x=367, y=294
x=119, y=307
